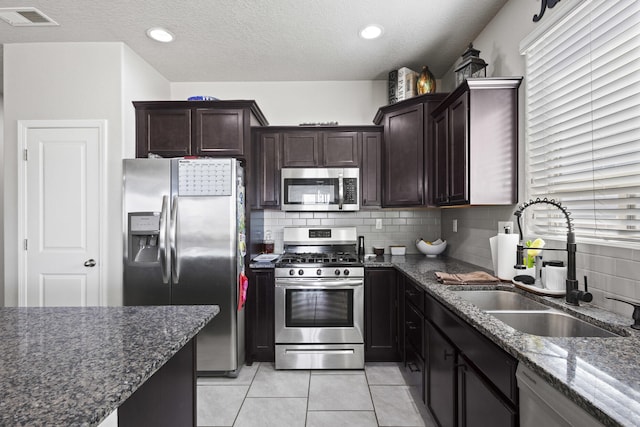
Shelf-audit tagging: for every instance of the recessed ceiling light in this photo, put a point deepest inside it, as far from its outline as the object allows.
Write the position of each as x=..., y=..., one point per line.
x=371, y=32
x=160, y=34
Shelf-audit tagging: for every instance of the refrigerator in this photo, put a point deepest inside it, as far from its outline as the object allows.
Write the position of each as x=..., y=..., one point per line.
x=184, y=244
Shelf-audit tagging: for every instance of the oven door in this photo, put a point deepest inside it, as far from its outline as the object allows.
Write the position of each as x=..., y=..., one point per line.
x=319, y=311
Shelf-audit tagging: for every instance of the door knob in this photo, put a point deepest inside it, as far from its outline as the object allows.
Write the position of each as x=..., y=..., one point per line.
x=90, y=263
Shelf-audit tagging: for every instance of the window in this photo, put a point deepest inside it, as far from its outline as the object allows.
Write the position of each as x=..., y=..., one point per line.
x=583, y=121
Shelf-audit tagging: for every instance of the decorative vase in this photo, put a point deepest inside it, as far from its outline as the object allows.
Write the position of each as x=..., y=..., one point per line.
x=426, y=82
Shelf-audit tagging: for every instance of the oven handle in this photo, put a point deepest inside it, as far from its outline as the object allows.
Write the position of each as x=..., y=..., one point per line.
x=315, y=283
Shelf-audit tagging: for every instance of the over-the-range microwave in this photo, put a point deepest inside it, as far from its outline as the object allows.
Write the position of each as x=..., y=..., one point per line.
x=320, y=189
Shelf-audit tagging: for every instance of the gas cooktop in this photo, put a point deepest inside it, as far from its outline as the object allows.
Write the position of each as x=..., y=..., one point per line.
x=320, y=259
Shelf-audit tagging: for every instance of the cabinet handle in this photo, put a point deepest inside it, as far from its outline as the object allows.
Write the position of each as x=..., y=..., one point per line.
x=448, y=355
x=411, y=326
x=364, y=202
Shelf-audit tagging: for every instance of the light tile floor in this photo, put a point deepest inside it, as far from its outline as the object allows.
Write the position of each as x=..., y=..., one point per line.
x=262, y=396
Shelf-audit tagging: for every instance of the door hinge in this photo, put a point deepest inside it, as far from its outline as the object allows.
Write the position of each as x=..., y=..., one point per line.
x=26, y=244
x=25, y=154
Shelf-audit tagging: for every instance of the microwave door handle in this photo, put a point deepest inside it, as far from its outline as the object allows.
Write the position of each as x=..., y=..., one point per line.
x=340, y=191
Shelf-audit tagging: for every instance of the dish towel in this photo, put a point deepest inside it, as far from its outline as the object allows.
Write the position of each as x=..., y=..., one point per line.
x=473, y=278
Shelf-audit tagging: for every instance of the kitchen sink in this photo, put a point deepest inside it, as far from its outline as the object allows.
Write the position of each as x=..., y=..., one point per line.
x=500, y=300
x=529, y=316
x=550, y=324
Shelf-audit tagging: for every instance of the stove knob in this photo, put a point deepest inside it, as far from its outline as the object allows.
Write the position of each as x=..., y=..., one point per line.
x=319, y=271
x=292, y=272
x=346, y=272
x=337, y=272
x=300, y=272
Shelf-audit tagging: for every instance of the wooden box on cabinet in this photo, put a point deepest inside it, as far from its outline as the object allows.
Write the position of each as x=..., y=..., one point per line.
x=475, y=144
x=407, y=158
x=195, y=128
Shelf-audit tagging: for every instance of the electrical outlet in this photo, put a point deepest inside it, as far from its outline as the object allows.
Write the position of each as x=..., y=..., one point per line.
x=378, y=224
x=503, y=224
x=455, y=225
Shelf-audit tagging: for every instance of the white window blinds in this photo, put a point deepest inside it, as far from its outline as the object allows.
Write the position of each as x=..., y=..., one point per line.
x=583, y=122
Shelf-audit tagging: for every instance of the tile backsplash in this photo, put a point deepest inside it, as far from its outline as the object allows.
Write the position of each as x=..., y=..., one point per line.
x=611, y=271
x=399, y=227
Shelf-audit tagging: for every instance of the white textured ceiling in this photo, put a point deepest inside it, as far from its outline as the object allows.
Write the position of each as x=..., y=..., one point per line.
x=269, y=40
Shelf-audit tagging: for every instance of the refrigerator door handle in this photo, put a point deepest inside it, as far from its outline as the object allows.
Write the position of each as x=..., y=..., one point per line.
x=162, y=242
x=175, y=274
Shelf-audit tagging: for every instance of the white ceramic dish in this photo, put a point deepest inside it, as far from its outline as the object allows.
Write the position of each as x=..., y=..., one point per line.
x=432, y=250
x=398, y=250
x=266, y=257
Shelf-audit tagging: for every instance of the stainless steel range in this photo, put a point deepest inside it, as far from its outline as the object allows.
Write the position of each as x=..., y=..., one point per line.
x=319, y=300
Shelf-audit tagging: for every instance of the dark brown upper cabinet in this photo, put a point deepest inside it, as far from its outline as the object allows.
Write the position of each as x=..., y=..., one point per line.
x=371, y=170
x=326, y=148
x=475, y=144
x=196, y=128
x=276, y=147
x=406, y=150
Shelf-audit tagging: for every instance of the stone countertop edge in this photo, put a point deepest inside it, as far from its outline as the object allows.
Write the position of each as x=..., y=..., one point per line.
x=599, y=374
x=76, y=365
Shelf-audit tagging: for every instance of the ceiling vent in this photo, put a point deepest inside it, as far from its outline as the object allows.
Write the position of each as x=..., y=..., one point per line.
x=25, y=17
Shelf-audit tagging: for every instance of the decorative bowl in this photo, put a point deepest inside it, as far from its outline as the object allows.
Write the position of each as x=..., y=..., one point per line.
x=431, y=250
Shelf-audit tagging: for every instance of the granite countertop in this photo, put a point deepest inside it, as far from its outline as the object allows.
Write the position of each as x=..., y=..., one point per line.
x=74, y=366
x=601, y=375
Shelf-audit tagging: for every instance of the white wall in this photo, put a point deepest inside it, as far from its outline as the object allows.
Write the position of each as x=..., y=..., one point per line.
x=292, y=103
x=612, y=271
x=50, y=81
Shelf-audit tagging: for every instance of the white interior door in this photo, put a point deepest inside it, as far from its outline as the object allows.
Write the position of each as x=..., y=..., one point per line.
x=62, y=186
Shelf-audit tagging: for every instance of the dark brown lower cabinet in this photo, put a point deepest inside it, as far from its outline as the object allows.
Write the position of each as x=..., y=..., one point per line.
x=440, y=380
x=479, y=405
x=470, y=381
x=381, y=315
x=259, y=317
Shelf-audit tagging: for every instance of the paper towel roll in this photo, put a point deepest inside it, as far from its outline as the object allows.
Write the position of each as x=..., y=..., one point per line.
x=507, y=248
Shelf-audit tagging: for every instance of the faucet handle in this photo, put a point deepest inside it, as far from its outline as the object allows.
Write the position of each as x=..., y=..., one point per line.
x=636, y=312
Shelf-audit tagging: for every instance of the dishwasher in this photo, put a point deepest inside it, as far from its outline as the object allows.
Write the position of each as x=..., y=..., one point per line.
x=543, y=405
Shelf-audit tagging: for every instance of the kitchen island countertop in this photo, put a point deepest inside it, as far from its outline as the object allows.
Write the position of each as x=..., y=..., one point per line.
x=601, y=375
x=76, y=365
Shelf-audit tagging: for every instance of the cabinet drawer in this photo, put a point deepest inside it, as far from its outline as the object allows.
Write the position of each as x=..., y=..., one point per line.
x=414, y=370
x=414, y=295
x=414, y=328
x=490, y=360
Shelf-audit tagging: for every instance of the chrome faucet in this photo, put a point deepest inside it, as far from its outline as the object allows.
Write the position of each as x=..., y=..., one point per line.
x=573, y=295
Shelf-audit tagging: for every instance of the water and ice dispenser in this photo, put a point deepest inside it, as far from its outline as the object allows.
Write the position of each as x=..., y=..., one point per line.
x=144, y=233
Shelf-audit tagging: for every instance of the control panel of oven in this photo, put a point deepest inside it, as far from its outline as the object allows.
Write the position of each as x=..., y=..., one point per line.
x=322, y=272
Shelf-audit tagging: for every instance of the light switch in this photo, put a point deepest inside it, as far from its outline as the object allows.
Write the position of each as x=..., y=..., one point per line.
x=455, y=225
x=378, y=224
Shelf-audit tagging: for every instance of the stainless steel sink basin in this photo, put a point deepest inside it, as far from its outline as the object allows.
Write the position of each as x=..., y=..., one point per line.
x=550, y=324
x=500, y=300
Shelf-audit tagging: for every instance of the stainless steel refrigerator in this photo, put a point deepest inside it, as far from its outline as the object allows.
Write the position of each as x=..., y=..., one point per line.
x=184, y=243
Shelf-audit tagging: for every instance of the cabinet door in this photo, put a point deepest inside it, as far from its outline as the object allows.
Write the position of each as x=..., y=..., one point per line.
x=219, y=132
x=441, y=378
x=440, y=171
x=166, y=132
x=478, y=404
x=260, y=341
x=371, y=169
x=459, y=150
x=268, y=161
x=341, y=149
x=300, y=149
x=403, y=157
x=380, y=315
